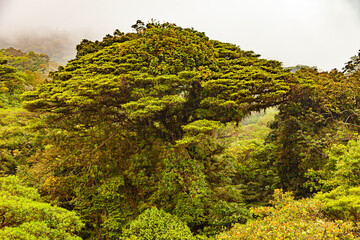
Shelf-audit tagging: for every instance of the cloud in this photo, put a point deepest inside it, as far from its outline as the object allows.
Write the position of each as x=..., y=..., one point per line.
x=355, y=4
x=2, y=7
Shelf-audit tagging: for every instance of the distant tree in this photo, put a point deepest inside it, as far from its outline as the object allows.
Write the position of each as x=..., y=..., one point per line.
x=87, y=46
x=298, y=67
x=138, y=26
x=353, y=65
x=19, y=72
x=11, y=81
x=8, y=78
x=117, y=33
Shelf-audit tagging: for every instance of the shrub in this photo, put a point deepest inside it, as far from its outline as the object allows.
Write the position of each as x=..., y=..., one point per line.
x=290, y=219
x=158, y=225
x=24, y=216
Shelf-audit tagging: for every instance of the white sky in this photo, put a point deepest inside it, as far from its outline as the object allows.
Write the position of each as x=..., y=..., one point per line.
x=323, y=33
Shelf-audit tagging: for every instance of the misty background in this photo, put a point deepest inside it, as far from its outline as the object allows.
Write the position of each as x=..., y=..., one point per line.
x=322, y=33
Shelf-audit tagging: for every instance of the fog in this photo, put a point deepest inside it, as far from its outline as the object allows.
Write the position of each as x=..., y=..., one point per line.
x=322, y=33
x=356, y=5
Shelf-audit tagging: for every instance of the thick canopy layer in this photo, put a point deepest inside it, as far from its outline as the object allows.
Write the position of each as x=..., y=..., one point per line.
x=133, y=118
x=163, y=76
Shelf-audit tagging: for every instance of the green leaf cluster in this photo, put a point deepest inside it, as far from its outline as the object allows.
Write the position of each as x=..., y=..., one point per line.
x=21, y=72
x=342, y=197
x=290, y=219
x=25, y=216
x=23, y=62
x=156, y=224
x=322, y=109
x=17, y=141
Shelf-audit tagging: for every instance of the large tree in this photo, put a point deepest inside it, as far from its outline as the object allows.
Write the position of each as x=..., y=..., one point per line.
x=130, y=124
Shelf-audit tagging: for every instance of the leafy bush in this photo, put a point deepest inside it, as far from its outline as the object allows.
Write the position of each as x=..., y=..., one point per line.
x=23, y=216
x=158, y=225
x=343, y=201
x=290, y=219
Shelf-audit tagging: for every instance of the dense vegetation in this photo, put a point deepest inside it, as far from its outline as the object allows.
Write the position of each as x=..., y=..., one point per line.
x=25, y=216
x=167, y=134
x=20, y=72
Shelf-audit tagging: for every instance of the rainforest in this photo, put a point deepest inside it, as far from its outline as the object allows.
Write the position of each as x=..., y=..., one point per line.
x=163, y=133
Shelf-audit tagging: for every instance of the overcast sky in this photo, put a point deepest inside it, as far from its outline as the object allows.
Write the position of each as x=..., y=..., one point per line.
x=323, y=33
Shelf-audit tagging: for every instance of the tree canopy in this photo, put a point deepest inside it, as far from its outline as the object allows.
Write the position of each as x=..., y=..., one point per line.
x=164, y=76
x=129, y=125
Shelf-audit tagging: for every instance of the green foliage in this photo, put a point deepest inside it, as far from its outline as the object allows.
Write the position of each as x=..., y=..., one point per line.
x=17, y=142
x=321, y=110
x=252, y=161
x=131, y=123
x=353, y=65
x=20, y=72
x=342, y=203
x=255, y=173
x=290, y=219
x=14, y=187
x=345, y=160
x=310, y=142
x=342, y=200
x=299, y=66
x=87, y=46
x=151, y=119
x=10, y=83
x=211, y=77
x=24, y=216
x=35, y=231
x=25, y=61
x=158, y=225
